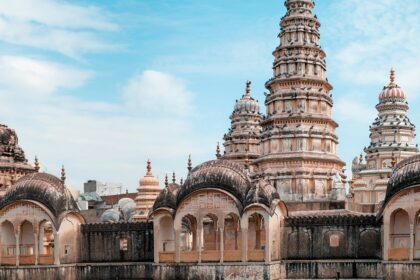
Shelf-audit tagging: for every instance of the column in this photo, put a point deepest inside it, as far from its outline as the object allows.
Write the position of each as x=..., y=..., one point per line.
x=177, y=246
x=156, y=248
x=244, y=241
x=267, y=240
x=411, y=254
x=36, y=248
x=222, y=245
x=387, y=242
x=17, y=237
x=56, y=248
x=200, y=237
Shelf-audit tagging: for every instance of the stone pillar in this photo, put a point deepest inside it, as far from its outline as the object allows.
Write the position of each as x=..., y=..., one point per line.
x=36, y=248
x=222, y=245
x=267, y=241
x=56, y=248
x=177, y=246
x=200, y=241
x=156, y=240
x=412, y=242
x=17, y=236
x=387, y=242
x=244, y=241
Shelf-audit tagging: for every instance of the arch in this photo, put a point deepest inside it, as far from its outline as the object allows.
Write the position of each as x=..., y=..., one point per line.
x=188, y=233
x=256, y=242
x=417, y=235
x=27, y=243
x=369, y=244
x=210, y=232
x=298, y=245
x=399, y=236
x=8, y=243
x=69, y=239
x=231, y=226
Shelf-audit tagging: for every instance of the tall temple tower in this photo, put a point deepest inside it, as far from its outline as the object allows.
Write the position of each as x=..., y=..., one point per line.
x=391, y=140
x=299, y=142
x=242, y=142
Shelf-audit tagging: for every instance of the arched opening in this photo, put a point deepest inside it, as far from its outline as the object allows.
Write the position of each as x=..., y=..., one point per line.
x=166, y=241
x=399, y=236
x=46, y=243
x=27, y=243
x=188, y=239
x=231, y=238
x=256, y=237
x=8, y=244
x=69, y=239
x=210, y=240
x=417, y=236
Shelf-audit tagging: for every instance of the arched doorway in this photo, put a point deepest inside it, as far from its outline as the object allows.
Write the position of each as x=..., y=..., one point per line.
x=8, y=244
x=166, y=241
x=46, y=243
x=399, y=236
x=210, y=241
x=231, y=238
x=27, y=243
x=188, y=239
x=256, y=237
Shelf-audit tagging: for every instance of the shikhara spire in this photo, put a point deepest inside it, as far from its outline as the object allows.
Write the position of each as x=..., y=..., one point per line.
x=298, y=140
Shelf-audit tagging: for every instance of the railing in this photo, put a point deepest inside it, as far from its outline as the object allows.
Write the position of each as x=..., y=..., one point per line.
x=46, y=259
x=191, y=256
x=398, y=254
x=232, y=256
x=256, y=255
x=166, y=257
x=210, y=256
x=8, y=260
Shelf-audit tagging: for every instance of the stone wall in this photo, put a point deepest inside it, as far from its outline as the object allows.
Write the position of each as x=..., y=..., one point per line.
x=338, y=237
x=120, y=242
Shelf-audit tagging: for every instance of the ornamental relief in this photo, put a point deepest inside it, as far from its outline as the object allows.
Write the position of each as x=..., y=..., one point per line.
x=23, y=211
x=208, y=200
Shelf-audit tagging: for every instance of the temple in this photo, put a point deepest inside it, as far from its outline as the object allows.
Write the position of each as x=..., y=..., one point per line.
x=273, y=205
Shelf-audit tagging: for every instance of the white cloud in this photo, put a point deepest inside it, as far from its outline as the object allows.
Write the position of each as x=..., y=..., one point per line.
x=153, y=91
x=39, y=76
x=54, y=26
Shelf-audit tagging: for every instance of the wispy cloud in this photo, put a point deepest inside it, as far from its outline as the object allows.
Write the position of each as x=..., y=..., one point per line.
x=55, y=26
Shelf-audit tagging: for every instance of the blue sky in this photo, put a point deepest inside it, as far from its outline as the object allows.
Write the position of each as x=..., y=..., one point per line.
x=101, y=86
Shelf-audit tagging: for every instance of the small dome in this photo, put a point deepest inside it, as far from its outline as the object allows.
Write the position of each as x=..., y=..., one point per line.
x=406, y=174
x=247, y=104
x=392, y=91
x=149, y=179
x=167, y=197
x=263, y=193
x=110, y=216
x=44, y=188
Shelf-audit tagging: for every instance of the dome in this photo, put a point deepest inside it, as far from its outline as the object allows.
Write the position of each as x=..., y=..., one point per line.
x=247, y=104
x=220, y=174
x=149, y=179
x=406, y=174
x=263, y=193
x=44, y=188
x=167, y=197
x=110, y=216
x=392, y=92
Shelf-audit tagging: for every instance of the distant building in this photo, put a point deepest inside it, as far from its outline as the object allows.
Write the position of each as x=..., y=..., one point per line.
x=102, y=189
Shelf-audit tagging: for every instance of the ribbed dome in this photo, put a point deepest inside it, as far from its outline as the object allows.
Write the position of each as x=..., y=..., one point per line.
x=406, y=174
x=247, y=104
x=263, y=193
x=392, y=91
x=220, y=174
x=44, y=188
x=167, y=197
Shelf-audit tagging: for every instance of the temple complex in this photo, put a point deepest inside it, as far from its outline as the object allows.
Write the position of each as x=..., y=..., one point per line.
x=273, y=205
x=391, y=141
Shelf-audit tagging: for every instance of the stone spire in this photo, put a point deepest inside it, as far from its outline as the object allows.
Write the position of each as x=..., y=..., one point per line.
x=147, y=192
x=189, y=166
x=243, y=138
x=36, y=164
x=218, y=155
x=391, y=140
x=173, y=177
x=298, y=137
x=63, y=174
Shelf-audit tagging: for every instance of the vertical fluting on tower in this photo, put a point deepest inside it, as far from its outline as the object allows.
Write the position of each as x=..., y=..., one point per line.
x=298, y=138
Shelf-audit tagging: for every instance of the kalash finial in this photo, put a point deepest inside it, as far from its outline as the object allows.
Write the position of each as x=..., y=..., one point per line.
x=173, y=177
x=248, y=88
x=63, y=174
x=149, y=168
x=36, y=164
x=392, y=75
x=181, y=182
x=166, y=181
x=189, y=164
x=218, y=155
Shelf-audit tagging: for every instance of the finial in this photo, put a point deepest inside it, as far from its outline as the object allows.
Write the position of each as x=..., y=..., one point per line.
x=189, y=163
x=173, y=177
x=36, y=164
x=361, y=158
x=218, y=155
x=149, y=168
x=181, y=182
x=166, y=181
x=248, y=87
x=63, y=174
x=392, y=76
